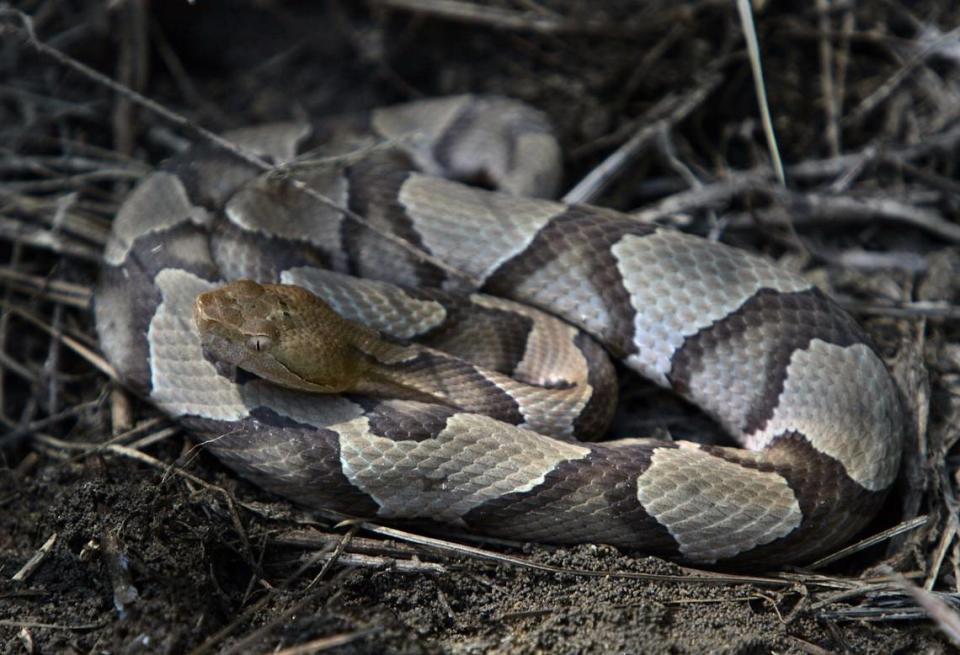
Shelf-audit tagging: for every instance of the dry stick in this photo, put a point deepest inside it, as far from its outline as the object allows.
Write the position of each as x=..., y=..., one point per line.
x=242, y=154
x=82, y=350
x=591, y=186
x=17, y=232
x=861, y=590
x=314, y=538
x=15, y=258
x=882, y=92
x=51, y=363
x=920, y=309
x=946, y=539
x=950, y=527
x=338, y=551
x=125, y=593
x=11, y=365
x=914, y=378
x=807, y=647
x=955, y=561
x=702, y=577
x=943, y=141
x=808, y=206
x=27, y=569
x=65, y=293
x=393, y=564
x=155, y=437
x=326, y=643
x=132, y=62
x=69, y=182
x=870, y=260
x=249, y=639
x=38, y=424
x=941, y=183
x=822, y=207
x=79, y=627
x=83, y=224
x=538, y=23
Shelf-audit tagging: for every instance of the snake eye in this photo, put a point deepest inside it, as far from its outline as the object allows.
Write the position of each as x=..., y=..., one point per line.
x=258, y=342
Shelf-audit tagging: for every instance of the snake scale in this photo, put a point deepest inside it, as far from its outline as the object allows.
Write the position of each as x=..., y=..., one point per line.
x=788, y=374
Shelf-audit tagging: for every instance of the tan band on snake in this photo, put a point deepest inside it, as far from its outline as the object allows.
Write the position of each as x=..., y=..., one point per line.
x=477, y=423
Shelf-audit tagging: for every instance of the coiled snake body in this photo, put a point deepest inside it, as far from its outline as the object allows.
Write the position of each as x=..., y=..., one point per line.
x=787, y=373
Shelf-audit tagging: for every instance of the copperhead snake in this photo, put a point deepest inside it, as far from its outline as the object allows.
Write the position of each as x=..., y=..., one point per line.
x=787, y=373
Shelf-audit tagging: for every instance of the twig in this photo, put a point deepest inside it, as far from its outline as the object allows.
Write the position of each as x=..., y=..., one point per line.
x=882, y=92
x=861, y=590
x=61, y=244
x=326, y=643
x=946, y=538
x=35, y=560
x=73, y=343
x=870, y=260
x=379, y=562
x=124, y=592
x=807, y=207
x=921, y=309
x=50, y=419
x=591, y=186
x=334, y=556
x=536, y=22
x=67, y=293
x=79, y=627
x=702, y=577
x=242, y=154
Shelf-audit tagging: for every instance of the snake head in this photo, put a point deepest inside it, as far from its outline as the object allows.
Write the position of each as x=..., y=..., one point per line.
x=283, y=334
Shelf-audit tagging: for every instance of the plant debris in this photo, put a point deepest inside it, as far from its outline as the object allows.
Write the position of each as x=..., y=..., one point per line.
x=118, y=534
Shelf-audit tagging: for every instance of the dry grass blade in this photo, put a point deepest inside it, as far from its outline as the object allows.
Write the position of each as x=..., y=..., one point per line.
x=945, y=616
x=880, y=537
x=753, y=48
x=326, y=643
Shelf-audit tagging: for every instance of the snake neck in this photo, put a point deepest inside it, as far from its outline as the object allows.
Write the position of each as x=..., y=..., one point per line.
x=407, y=372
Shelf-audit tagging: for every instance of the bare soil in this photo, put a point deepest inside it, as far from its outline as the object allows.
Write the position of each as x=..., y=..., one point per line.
x=146, y=544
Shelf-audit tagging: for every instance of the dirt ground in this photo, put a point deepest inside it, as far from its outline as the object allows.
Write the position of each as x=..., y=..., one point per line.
x=142, y=543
